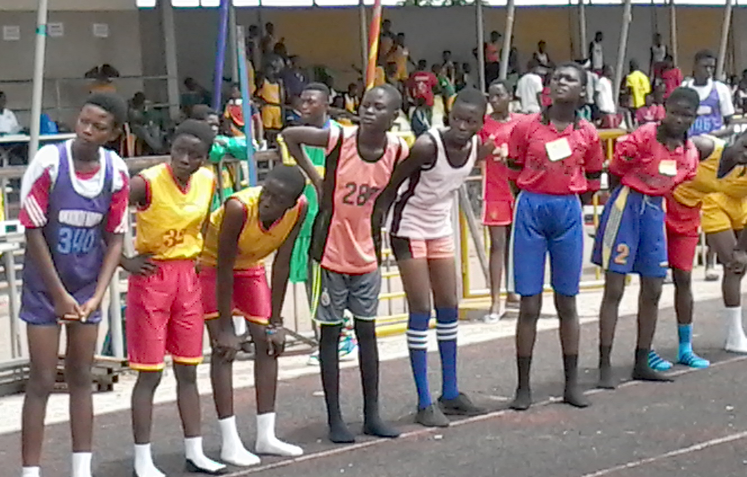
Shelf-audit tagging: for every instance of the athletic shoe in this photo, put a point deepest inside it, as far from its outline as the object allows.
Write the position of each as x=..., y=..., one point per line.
x=491, y=318
x=459, y=406
x=431, y=416
x=711, y=275
x=693, y=360
x=657, y=363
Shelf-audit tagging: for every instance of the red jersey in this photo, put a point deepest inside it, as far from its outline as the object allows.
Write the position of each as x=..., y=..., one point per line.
x=421, y=86
x=650, y=114
x=648, y=166
x=672, y=80
x=546, y=161
x=495, y=179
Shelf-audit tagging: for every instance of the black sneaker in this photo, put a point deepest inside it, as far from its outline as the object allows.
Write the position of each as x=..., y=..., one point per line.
x=431, y=416
x=459, y=406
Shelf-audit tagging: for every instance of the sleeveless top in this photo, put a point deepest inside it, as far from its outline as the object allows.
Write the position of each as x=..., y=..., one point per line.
x=423, y=209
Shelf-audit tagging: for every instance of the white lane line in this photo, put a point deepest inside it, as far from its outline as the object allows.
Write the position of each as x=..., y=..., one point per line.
x=470, y=420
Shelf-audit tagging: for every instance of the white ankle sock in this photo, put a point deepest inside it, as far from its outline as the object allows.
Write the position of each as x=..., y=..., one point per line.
x=736, y=340
x=144, y=466
x=239, y=324
x=82, y=464
x=232, y=449
x=267, y=443
x=194, y=452
x=31, y=472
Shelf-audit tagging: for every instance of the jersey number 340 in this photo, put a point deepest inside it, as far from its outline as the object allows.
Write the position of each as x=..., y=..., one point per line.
x=75, y=240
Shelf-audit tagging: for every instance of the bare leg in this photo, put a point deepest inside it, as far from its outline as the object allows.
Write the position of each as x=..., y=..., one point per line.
x=221, y=377
x=723, y=244
x=497, y=260
x=81, y=344
x=614, y=288
x=526, y=334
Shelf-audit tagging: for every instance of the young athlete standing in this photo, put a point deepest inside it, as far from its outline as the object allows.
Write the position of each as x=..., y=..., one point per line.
x=251, y=225
x=164, y=308
x=423, y=244
x=498, y=198
x=649, y=163
x=555, y=156
x=683, y=221
x=346, y=243
x=73, y=205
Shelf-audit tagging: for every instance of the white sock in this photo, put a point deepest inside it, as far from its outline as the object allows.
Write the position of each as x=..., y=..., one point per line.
x=239, y=324
x=82, y=464
x=194, y=453
x=144, y=466
x=267, y=443
x=232, y=449
x=31, y=472
x=736, y=341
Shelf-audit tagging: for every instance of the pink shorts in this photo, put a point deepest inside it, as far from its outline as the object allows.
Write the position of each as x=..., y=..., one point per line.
x=164, y=315
x=497, y=213
x=407, y=248
x=251, y=294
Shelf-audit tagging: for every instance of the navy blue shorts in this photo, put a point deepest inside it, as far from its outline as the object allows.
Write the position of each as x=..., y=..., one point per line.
x=545, y=224
x=631, y=237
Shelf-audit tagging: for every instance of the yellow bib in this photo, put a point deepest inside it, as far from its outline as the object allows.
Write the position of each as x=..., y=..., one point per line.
x=691, y=193
x=169, y=227
x=270, y=92
x=255, y=243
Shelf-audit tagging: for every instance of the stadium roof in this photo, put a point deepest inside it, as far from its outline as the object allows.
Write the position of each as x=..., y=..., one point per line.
x=338, y=3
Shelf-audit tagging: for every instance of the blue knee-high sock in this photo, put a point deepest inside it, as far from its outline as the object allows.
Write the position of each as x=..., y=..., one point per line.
x=417, y=343
x=446, y=332
x=685, y=334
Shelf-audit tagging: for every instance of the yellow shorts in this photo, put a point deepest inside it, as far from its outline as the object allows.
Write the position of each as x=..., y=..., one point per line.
x=722, y=212
x=272, y=117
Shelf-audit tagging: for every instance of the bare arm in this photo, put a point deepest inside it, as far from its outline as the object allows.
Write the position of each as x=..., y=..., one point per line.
x=233, y=223
x=112, y=256
x=281, y=270
x=138, y=192
x=295, y=137
x=422, y=153
x=39, y=249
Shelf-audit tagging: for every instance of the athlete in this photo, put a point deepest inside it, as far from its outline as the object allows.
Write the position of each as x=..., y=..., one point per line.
x=314, y=112
x=554, y=156
x=498, y=196
x=683, y=220
x=346, y=243
x=648, y=164
x=271, y=97
x=73, y=205
x=164, y=308
x=251, y=225
x=423, y=244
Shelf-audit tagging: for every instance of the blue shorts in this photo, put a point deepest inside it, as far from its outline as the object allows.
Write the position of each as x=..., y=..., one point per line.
x=546, y=223
x=631, y=238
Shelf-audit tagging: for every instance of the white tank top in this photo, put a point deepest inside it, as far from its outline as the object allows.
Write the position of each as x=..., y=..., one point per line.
x=425, y=201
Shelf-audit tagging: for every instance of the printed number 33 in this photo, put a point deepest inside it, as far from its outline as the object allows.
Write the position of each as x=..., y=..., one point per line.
x=364, y=193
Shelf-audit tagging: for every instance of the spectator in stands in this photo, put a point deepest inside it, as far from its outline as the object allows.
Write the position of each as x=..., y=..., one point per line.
x=352, y=98
x=605, y=99
x=596, y=52
x=446, y=88
x=194, y=94
x=740, y=95
x=590, y=110
x=529, y=89
x=269, y=41
x=466, y=79
x=638, y=84
x=400, y=55
x=543, y=58
x=448, y=65
x=271, y=97
x=492, y=57
x=103, y=82
x=8, y=121
x=658, y=55
x=386, y=39
x=671, y=76
x=253, y=44
x=142, y=125
x=650, y=112
x=293, y=78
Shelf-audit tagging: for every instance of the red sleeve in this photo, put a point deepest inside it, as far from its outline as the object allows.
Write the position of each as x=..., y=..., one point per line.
x=34, y=208
x=640, y=115
x=627, y=151
x=517, y=149
x=661, y=112
x=594, y=161
x=115, y=222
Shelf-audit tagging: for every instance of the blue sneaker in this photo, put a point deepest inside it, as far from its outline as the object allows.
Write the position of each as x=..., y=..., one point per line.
x=347, y=350
x=657, y=363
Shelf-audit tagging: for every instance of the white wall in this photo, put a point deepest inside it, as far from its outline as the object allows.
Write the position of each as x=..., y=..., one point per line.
x=76, y=5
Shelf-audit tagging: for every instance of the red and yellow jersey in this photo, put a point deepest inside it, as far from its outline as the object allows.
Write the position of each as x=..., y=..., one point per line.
x=255, y=242
x=269, y=92
x=169, y=226
x=706, y=181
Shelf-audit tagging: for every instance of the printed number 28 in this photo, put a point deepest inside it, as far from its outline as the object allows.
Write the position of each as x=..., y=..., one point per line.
x=364, y=193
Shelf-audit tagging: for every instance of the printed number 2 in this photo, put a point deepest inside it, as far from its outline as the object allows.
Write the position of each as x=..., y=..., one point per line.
x=74, y=240
x=364, y=193
x=622, y=254
x=173, y=237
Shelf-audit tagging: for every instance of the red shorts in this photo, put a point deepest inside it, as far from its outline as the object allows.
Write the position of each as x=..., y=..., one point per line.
x=682, y=234
x=497, y=213
x=251, y=294
x=164, y=315
x=430, y=249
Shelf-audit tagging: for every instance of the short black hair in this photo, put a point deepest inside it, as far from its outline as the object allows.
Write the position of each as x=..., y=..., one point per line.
x=474, y=97
x=580, y=69
x=392, y=92
x=200, y=112
x=112, y=103
x=198, y=129
x=499, y=82
x=685, y=94
x=290, y=176
x=704, y=55
x=320, y=87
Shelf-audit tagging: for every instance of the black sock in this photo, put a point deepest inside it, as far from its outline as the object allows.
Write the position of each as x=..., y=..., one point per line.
x=523, y=398
x=605, y=367
x=329, y=362
x=573, y=394
x=365, y=331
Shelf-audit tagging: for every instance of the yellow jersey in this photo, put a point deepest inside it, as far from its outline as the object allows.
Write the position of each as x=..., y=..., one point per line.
x=706, y=181
x=169, y=227
x=270, y=93
x=255, y=242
